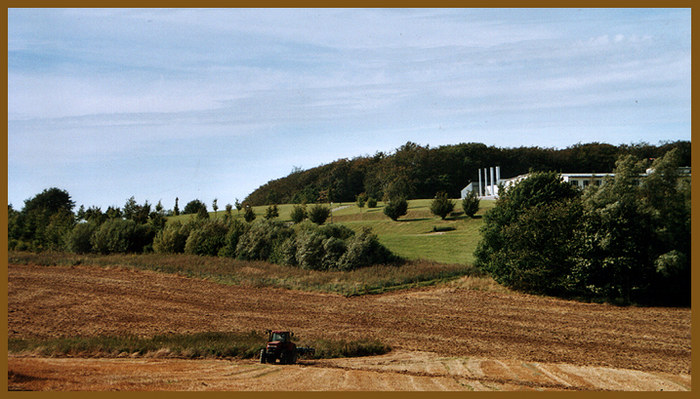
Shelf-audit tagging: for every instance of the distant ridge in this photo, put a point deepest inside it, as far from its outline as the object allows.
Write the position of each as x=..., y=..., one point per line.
x=415, y=171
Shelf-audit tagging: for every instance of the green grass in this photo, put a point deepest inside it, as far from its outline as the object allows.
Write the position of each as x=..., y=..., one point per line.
x=420, y=234
x=412, y=237
x=191, y=346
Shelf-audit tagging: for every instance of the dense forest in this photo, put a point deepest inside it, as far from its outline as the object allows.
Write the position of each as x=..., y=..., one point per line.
x=414, y=171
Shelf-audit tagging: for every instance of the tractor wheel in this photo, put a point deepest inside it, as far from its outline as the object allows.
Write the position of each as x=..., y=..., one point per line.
x=284, y=358
x=262, y=356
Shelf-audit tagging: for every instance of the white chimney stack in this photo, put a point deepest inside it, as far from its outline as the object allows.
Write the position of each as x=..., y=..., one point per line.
x=486, y=182
x=498, y=175
x=480, y=184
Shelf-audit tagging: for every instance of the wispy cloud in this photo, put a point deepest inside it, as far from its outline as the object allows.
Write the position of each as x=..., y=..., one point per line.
x=171, y=91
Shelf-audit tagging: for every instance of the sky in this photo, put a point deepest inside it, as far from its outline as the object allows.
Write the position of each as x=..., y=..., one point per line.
x=211, y=104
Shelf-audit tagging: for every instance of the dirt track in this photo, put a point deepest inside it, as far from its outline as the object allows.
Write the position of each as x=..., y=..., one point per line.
x=466, y=339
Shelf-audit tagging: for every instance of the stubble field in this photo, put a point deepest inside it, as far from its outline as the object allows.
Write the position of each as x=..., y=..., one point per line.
x=444, y=338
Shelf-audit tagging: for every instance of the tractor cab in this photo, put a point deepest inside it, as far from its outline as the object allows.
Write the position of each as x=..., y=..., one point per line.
x=279, y=336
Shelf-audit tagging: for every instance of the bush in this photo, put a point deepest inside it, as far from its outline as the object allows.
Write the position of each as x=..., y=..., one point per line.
x=333, y=249
x=208, y=239
x=172, y=239
x=249, y=214
x=261, y=239
x=319, y=213
x=371, y=202
x=78, y=240
x=115, y=235
x=396, y=208
x=143, y=238
x=470, y=204
x=236, y=229
x=326, y=248
x=60, y=225
x=364, y=250
x=360, y=200
x=272, y=212
x=441, y=205
x=336, y=231
x=202, y=214
x=17, y=245
x=310, y=251
x=286, y=253
x=298, y=213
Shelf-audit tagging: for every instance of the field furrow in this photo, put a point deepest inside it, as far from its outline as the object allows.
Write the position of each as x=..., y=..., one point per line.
x=443, y=338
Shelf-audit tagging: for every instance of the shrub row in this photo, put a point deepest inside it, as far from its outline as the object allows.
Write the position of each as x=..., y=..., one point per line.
x=112, y=236
x=306, y=245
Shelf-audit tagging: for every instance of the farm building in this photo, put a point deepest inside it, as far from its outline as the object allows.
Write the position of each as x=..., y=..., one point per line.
x=487, y=188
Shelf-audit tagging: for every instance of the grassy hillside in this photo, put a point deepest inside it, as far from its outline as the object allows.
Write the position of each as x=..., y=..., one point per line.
x=413, y=236
x=434, y=257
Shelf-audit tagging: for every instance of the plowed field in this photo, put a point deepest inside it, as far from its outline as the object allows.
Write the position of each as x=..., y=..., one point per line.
x=443, y=338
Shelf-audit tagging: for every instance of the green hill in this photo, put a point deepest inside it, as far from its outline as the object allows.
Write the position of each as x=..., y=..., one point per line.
x=417, y=235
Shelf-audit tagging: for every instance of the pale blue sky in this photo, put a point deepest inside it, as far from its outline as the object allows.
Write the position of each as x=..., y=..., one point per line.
x=208, y=104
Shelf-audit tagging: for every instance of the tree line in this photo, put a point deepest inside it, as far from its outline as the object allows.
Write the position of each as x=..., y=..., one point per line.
x=626, y=241
x=415, y=171
x=47, y=222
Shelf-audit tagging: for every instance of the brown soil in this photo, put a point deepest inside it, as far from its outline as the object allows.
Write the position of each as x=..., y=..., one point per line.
x=443, y=338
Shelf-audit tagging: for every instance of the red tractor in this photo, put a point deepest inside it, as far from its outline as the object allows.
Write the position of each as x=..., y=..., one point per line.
x=280, y=347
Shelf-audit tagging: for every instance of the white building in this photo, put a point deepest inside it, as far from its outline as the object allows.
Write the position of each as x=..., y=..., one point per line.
x=488, y=189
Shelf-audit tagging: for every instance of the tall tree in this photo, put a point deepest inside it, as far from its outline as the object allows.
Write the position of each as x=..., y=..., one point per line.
x=43, y=220
x=130, y=208
x=524, y=237
x=51, y=200
x=635, y=240
x=157, y=217
x=194, y=207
